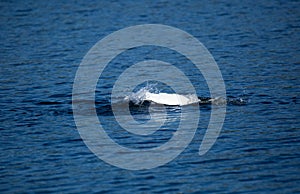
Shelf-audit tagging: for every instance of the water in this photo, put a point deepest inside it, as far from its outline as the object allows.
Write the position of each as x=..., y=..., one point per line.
x=256, y=45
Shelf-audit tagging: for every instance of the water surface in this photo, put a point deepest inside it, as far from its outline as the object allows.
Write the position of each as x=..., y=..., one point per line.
x=256, y=45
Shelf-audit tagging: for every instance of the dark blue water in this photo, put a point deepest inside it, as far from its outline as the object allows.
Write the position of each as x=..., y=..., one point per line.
x=256, y=45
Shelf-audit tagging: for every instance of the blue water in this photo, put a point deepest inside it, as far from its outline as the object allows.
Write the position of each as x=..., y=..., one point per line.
x=256, y=45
